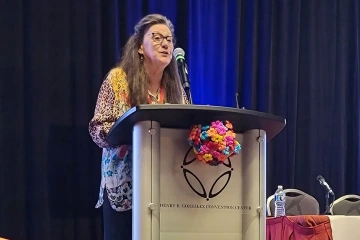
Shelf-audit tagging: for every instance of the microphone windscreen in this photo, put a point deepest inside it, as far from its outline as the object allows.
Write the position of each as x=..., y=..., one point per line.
x=178, y=52
x=319, y=177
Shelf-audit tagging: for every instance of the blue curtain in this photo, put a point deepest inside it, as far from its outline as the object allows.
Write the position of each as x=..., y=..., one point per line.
x=214, y=43
x=208, y=31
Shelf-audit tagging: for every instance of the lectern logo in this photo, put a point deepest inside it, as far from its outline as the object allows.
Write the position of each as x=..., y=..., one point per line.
x=188, y=160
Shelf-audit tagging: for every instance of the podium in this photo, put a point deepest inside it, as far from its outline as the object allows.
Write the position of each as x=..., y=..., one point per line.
x=177, y=197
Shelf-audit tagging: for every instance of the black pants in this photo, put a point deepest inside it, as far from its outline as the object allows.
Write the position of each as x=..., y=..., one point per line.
x=117, y=225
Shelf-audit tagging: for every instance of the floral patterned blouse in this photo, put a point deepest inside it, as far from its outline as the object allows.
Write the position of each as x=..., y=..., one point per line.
x=116, y=164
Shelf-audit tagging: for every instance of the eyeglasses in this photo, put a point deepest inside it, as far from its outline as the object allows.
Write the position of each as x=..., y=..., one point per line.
x=159, y=38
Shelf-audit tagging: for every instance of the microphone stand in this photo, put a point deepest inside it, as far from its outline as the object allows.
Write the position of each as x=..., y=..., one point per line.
x=327, y=205
x=183, y=72
x=188, y=94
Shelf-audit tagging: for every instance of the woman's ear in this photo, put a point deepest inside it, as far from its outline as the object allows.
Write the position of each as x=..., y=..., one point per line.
x=141, y=51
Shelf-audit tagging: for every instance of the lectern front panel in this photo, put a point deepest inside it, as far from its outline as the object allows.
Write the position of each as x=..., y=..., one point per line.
x=199, y=201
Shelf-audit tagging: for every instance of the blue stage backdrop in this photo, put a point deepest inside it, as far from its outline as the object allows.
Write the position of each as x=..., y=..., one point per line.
x=208, y=31
x=214, y=42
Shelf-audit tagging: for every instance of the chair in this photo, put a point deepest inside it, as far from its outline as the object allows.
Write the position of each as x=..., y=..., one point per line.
x=297, y=203
x=347, y=205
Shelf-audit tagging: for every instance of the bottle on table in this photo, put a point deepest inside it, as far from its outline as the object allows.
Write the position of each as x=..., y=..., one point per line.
x=279, y=198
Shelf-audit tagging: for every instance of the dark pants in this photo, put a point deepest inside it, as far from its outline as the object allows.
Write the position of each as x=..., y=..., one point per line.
x=117, y=225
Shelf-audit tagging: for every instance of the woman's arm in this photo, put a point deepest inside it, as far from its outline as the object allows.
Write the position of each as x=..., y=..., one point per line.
x=110, y=105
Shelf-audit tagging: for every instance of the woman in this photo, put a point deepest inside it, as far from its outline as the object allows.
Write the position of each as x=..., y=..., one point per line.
x=147, y=73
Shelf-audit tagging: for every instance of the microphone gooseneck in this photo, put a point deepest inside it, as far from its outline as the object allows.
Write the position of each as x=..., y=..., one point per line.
x=179, y=55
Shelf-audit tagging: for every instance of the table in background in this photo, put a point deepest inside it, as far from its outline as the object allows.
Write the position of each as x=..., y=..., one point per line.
x=314, y=227
x=345, y=227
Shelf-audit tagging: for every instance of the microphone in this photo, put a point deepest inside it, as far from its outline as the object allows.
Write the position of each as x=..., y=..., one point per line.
x=179, y=55
x=322, y=181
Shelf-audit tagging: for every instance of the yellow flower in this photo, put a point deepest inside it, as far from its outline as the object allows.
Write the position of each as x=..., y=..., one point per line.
x=208, y=157
x=217, y=138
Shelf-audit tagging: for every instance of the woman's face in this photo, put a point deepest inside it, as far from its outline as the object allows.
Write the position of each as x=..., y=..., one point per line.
x=157, y=46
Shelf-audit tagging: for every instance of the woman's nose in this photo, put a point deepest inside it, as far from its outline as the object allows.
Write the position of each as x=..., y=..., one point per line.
x=165, y=44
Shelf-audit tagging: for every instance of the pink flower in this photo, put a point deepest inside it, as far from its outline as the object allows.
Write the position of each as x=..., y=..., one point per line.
x=229, y=140
x=215, y=154
x=212, y=145
x=216, y=124
x=204, y=149
x=219, y=127
x=221, y=130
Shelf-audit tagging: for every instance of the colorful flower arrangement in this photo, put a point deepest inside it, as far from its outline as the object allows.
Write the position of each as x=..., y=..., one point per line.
x=215, y=143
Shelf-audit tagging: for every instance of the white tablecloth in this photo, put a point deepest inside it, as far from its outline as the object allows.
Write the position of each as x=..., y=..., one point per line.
x=345, y=227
